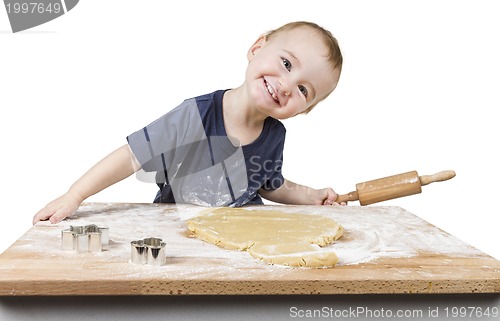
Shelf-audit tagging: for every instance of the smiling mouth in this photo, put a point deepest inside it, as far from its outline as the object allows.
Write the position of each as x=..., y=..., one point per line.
x=271, y=91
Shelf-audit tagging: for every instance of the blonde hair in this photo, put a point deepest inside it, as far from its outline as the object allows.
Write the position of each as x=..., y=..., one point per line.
x=334, y=56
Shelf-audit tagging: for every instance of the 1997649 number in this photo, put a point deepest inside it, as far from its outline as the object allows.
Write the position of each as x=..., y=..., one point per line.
x=471, y=312
x=33, y=7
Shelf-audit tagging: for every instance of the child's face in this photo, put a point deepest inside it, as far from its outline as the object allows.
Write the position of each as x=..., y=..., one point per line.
x=289, y=72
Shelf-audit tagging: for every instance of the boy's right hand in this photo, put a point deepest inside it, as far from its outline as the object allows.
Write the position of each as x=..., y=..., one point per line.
x=58, y=209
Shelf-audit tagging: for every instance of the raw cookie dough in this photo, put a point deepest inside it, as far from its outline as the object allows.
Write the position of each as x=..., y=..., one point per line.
x=276, y=237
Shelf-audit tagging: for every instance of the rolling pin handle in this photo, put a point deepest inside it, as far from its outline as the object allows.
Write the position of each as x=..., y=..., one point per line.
x=438, y=177
x=349, y=197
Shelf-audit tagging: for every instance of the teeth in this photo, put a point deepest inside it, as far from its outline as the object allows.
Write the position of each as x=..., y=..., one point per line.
x=271, y=92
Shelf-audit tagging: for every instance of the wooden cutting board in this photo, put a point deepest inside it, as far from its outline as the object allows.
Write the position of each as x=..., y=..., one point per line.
x=383, y=250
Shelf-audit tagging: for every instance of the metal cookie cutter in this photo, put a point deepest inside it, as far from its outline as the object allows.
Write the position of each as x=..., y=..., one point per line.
x=87, y=238
x=149, y=251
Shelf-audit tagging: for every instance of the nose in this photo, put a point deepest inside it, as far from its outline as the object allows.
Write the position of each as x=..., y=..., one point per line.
x=284, y=88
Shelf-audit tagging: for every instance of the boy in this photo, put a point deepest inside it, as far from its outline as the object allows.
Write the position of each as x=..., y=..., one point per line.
x=226, y=148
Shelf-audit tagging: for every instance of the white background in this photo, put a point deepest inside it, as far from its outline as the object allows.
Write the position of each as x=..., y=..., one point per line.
x=419, y=91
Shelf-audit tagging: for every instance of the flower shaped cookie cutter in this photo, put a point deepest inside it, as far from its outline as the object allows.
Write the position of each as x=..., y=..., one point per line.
x=150, y=251
x=86, y=238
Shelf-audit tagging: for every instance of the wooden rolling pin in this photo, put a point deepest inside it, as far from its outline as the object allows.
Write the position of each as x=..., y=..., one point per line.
x=391, y=187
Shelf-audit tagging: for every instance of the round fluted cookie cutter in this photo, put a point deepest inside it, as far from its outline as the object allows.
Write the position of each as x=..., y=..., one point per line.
x=150, y=251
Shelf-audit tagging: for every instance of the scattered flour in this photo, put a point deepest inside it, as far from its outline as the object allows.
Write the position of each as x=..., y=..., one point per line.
x=369, y=233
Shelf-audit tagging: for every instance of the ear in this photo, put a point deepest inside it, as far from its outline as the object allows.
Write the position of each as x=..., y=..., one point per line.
x=256, y=47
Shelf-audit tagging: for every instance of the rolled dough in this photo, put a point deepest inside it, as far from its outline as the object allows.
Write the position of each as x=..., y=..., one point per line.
x=276, y=237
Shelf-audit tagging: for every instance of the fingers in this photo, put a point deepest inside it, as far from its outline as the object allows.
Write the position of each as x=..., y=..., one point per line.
x=327, y=202
x=51, y=213
x=59, y=215
x=329, y=196
x=58, y=209
x=43, y=215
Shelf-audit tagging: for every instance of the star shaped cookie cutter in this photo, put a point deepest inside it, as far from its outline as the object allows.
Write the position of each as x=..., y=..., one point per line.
x=86, y=238
x=150, y=251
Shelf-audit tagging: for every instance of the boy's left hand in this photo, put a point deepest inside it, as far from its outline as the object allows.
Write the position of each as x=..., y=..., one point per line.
x=328, y=196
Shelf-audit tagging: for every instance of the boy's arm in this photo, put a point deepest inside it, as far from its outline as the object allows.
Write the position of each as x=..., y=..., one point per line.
x=113, y=168
x=296, y=194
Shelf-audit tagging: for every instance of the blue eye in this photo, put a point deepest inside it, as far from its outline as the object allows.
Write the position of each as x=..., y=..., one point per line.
x=303, y=90
x=287, y=64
